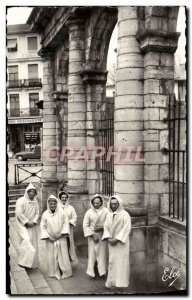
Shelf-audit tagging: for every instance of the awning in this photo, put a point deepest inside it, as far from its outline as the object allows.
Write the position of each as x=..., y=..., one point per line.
x=11, y=44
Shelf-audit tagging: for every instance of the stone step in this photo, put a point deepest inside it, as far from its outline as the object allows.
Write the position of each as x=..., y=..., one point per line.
x=15, y=197
x=11, y=208
x=19, y=186
x=16, y=192
x=11, y=214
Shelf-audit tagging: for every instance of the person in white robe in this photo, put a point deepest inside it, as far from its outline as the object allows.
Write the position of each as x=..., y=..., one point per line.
x=116, y=230
x=72, y=218
x=27, y=215
x=93, y=229
x=54, y=230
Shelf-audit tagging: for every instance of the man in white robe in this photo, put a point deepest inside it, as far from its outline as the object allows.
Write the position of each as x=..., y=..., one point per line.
x=116, y=230
x=93, y=229
x=54, y=230
x=27, y=215
x=72, y=218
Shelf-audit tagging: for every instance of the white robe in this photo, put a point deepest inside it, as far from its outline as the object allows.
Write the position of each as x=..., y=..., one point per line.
x=118, y=226
x=97, y=252
x=72, y=218
x=53, y=224
x=27, y=210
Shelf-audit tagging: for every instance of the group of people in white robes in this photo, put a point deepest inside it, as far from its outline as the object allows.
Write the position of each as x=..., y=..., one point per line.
x=106, y=228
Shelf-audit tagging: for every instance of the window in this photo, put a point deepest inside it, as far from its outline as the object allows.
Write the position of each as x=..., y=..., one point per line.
x=12, y=45
x=33, y=98
x=14, y=105
x=33, y=71
x=13, y=73
x=32, y=43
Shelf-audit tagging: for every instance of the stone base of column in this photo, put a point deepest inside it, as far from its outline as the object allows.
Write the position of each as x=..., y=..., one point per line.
x=48, y=187
x=138, y=215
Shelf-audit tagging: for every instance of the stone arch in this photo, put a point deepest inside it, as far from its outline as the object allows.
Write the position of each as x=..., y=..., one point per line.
x=101, y=26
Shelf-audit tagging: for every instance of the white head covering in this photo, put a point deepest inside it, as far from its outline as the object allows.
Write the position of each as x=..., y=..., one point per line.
x=120, y=208
x=91, y=202
x=52, y=197
x=30, y=187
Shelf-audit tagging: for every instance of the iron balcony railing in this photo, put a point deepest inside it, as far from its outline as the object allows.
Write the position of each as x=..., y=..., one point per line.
x=29, y=112
x=14, y=83
x=35, y=82
x=24, y=83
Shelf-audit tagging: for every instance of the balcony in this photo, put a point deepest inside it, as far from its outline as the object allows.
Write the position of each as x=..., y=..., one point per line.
x=28, y=112
x=14, y=84
x=35, y=82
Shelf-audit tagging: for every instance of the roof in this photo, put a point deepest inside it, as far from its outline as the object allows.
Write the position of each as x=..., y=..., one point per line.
x=18, y=28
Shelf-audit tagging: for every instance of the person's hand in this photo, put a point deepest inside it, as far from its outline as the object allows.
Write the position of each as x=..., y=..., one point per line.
x=95, y=238
x=98, y=228
x=29, y=224
x=112, y=241
x=51, y=240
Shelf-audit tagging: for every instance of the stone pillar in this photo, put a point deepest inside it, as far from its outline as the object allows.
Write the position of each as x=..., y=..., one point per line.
x=49, y=174
x=76, y=104
x=128, y=123
x=77, y=173
x=95, y=82
x=158, y=47
x=61, y=104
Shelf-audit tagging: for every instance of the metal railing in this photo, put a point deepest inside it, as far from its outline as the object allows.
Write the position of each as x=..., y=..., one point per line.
x=14, y=83
x=28, y=112
x=24, y=83
x=177, y=159
x=20, y=167
x=107, y=139
x=35, y=82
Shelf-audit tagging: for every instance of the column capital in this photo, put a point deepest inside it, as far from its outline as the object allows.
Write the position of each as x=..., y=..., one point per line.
x=158, y=40
x=60, y=96
x=74, y=20
x=94, y=76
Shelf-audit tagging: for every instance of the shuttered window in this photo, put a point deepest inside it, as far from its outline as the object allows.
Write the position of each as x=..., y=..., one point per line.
x=32, y=43
x=33, y=71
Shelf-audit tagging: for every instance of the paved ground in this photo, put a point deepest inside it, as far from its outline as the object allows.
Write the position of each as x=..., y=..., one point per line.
x=22, y=174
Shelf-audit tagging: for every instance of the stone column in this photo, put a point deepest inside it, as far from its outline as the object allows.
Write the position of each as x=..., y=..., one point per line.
x=49, y=174
x=61, y=104
x=95, y=82
x=76, y=104
x=77, y=173
x=128, y=124
x=158, y=47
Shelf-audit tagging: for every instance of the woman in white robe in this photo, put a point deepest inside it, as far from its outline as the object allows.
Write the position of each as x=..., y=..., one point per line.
x=72, y=218
x=116, y=230
x=27, y=215
x=93, y=229
x=54, y=229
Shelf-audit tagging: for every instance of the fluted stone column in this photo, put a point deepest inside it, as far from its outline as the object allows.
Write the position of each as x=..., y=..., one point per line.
x=61, y=104
x=128, y=123
x=76, y=104
x=49, y=174
x=95, y=82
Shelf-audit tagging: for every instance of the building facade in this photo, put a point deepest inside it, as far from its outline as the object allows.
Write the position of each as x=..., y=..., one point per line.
x=24, y=88
x=74, y=46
